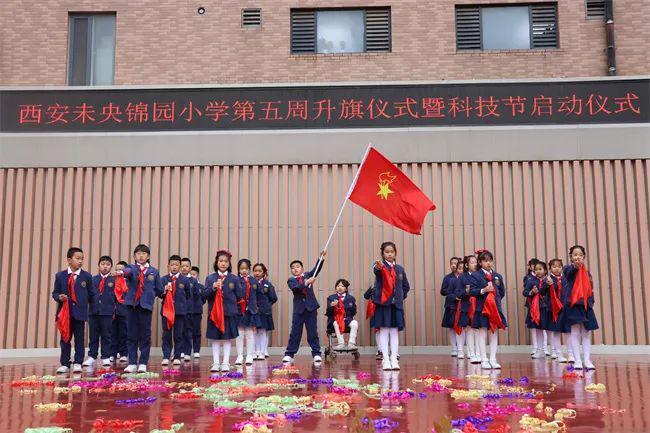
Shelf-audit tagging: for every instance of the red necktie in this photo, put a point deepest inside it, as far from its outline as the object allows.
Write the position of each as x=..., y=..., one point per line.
x=244, y=302
x=388, y=278
x=339, y=314
x=535, y=312
x=556, y=303
x=138, y=293
x=71, y=285
x=581, y=287
x=491, y=310
x=304, y=290
x=169, y=311
x=216, y=313
x=101, y=285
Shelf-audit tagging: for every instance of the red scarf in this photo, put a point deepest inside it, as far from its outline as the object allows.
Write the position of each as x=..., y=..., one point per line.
x=581, y=287
x=472, y=309
x=535, y=312
x=388, y=278
x=216, y=313
x=556, y=303
x=63, y=321
x=339, y=315
x=370, y=309
x=71, y=289
x=138, y=293
x=120, y=288
x=457, y=328
x=244, y=302
x=101, y=285
x=169, y=311
x=491, y=310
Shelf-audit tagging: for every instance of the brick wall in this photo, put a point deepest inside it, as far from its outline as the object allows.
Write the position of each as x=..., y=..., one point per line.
x=167, y=42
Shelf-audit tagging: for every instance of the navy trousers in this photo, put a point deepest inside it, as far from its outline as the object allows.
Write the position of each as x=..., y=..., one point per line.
x=138, y=323
x=178, y=334
x=118, y=336
x=77, y=328
x=100, y=328
x=193, y=333
x=308, y=319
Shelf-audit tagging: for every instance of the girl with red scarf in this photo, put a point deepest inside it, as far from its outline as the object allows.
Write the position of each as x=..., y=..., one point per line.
x=489, y=288
x=341, y=309
x=249, y=319
x=465, y=334
x=579, y=306
x=535, y=291
x=555, y=313
x=223, y=292
x=391, y=288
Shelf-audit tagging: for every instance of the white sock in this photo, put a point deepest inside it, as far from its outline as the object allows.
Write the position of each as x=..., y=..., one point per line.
x=249, y=333
x=471, y=340
x=239, y=341
x=339, y=336
x=586, y=344
x=494, y=344
x=215, y=351
x=382, y=341
x=354, y=326
x=482, y=335
x=541, y=338
x=265, y=342
x=258, y=341
x=452, y=338
x=545, y=339
x=460, y=341
x=556, y=344
x=394, y=344
x=574, y=340
x=533, y=338
x=226, y=351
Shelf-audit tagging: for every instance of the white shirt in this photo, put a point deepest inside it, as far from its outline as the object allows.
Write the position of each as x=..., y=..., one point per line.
x=76, y=273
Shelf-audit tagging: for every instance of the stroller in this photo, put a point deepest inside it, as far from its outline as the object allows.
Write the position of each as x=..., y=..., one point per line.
x=331, y=353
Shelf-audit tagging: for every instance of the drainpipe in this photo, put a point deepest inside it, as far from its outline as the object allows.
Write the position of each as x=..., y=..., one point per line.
x=609, y=31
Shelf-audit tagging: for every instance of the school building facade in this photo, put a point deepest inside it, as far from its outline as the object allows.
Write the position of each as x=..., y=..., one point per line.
x=205, y=125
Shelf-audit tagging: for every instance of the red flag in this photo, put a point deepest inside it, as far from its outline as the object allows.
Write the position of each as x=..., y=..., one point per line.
x=383, y=190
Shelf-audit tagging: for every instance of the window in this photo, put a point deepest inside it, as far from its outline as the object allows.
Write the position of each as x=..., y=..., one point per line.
x=91, y=50
x=251, y=17
x=512, y=27
x=326, y=31
x=595, y=9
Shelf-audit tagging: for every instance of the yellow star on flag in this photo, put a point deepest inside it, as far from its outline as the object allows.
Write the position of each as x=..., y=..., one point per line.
x=384, y=190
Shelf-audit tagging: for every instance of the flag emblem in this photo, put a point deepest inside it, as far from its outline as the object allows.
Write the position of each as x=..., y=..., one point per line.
x=385, y=179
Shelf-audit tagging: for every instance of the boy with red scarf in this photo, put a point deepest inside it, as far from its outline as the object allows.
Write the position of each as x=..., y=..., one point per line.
x=489, y=288
x=73, y=290
x=173, y=311
x=579, y=306
x=341, y=309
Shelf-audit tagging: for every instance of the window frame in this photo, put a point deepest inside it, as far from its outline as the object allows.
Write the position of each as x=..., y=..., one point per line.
x=90, y=16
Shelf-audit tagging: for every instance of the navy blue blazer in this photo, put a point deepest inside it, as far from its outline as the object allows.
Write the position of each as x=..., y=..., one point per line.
x=478, y=280
x=266, y=296
x=447, y=291
x=570, y=272
x=542, y=287
x=400, y=291
x=151, y=288
x=458, y=285
x=349, y=303
x=304, y=298
x=196, y=297
x=83, y=289
x=232, y=293
x=182, y=297
x=104, y=304
x=251, y=306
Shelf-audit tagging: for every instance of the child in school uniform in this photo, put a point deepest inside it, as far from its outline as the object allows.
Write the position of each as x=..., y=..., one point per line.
x=530, y=273
x=489, y=288
x=194, y=315
x=223, y=292
x=173, y=309
x=305, y=309
x=391, y=288
x=449, y=314
x=370, y=314
x=100, y=319
x=249, y=319
x=341, y=309
x=468, y=303
x=535, y=291
x=266, y=297
x=555, y=313
x=579, y=306
x=73, y=289
x=118, y=335
x=461, y=311
x=143, y=281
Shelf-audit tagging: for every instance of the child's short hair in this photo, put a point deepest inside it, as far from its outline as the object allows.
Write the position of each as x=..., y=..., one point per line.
x=123, y=263
x=72, y=251
x=550, y=262
x=174, y=257
x=186, y=259
x=142, y=248
x=196, y=269
x=243, y=261
x=263, y=266
x=542, y=264
x=343, y=281
x=578, y=247
x=105, y=259
x=216, y=260
x=466, y=262
x=484, y=255
x=296, y=261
